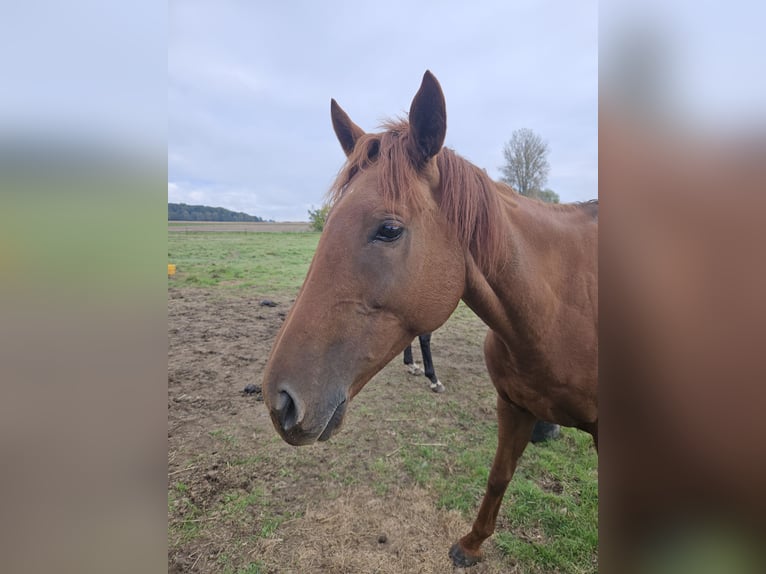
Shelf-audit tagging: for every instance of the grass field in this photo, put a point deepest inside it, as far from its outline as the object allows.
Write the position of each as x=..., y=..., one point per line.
x=273, y=508
x=267, y=261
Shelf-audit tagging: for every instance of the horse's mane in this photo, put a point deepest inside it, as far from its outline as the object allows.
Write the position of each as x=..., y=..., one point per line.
x=467, y=196
x=590, y=207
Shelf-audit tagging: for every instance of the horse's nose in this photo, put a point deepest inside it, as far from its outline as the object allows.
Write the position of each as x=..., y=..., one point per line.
x=286, y=411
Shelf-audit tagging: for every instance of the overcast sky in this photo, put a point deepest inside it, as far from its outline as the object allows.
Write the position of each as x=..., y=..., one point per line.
x=249, y=88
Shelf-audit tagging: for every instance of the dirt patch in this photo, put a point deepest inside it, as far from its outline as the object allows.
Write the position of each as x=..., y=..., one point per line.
x=550, y=484
x=364, y=532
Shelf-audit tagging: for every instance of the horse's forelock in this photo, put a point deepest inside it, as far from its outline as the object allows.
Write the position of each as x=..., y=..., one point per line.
x=396, y=173
x=467, y=195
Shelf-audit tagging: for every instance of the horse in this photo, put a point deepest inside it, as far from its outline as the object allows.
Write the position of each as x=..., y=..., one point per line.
x=408, y=213
x=428, y=364
x=543, y=430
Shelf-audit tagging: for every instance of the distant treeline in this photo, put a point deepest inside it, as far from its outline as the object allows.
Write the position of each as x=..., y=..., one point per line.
x=183, y=212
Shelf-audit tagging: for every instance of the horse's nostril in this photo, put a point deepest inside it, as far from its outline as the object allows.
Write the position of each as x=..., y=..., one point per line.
x=287, y=411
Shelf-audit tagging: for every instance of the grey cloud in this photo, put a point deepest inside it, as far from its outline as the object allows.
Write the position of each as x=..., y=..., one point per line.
x=249, y=89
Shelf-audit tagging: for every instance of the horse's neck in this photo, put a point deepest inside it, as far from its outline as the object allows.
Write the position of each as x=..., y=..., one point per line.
x=521, y=298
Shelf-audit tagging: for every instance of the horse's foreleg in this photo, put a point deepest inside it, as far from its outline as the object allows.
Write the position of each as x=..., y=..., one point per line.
x=408, y=355
x=514, y=429
x=428, y=363
x=412, y=367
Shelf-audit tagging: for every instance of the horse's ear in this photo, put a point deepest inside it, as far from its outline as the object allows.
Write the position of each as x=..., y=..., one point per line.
x=346, y=130
x=428, y=119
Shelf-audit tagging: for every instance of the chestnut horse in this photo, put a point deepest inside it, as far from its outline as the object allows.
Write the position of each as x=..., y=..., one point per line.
x=408, y=214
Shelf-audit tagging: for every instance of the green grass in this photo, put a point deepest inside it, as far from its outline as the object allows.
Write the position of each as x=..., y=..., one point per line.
x=548, y=521
x=188, y=526
x=225, y=437
x=549, y=517
x=224, y=560
x=247, y=514
x=268, y=262
x=252, y=568
x=554, y=527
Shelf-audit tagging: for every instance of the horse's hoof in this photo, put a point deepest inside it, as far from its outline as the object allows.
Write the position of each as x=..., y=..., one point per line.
x=437, y=387
x=414, y=370
x=460, y=558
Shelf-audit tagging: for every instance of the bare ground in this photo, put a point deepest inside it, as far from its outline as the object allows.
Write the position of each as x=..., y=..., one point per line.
x=238, y=495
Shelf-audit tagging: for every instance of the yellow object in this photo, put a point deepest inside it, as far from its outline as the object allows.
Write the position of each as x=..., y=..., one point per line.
x=171, y=269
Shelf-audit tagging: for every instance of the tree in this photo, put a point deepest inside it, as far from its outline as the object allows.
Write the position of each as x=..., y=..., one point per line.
x=526, y=168
x=183, y=212
x=548, y=195
x=317, y=217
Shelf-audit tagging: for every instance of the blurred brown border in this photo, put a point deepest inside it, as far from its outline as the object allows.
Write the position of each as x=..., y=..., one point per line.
x=683, y=328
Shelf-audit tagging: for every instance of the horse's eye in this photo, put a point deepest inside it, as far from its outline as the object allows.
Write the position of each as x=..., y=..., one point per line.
x=389, y=231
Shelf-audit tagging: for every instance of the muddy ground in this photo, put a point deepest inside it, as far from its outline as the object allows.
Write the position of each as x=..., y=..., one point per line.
x=240, y=496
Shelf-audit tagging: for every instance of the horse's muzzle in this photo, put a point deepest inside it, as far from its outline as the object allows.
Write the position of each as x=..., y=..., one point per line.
x=289, y=418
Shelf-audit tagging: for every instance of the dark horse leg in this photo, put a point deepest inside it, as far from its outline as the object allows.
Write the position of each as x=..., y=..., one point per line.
x=428, y=363
x=544, y=431
x=513, y=432
x=412, y=367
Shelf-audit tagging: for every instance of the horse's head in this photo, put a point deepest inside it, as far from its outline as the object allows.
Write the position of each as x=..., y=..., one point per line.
x=386, y=269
